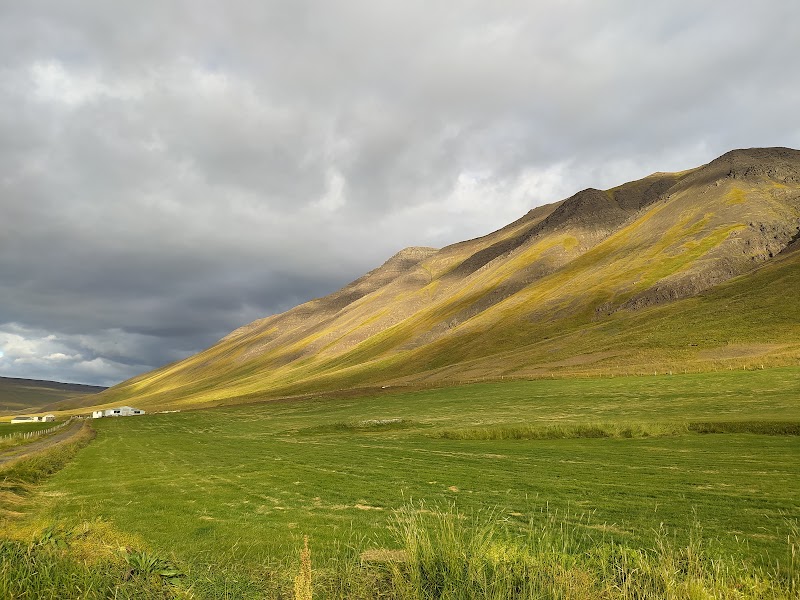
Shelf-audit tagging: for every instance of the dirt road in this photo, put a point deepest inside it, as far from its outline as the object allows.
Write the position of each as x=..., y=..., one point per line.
x=47, y=441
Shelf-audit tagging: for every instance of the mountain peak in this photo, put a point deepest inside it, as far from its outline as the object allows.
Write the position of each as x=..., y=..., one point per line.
x=781, y=164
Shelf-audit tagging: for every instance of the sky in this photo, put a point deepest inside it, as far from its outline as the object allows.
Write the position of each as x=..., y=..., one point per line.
x=171, y=170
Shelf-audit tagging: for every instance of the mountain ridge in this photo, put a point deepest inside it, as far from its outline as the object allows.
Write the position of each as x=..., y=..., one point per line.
x=596, y=256
x=20, y=394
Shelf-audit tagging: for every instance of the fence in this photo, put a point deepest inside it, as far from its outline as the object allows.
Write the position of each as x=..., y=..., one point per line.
x=29, y=435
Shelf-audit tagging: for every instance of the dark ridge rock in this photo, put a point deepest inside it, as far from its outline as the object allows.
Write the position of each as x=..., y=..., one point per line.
x=533, y=218
x=487, y=255
x=751, y=164
x=590, y=208
x=793, y=245
x=636, y=195
x=593, y=211
x=740, y=253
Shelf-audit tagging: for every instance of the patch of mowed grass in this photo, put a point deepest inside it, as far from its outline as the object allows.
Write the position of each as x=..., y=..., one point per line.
x=233, y=490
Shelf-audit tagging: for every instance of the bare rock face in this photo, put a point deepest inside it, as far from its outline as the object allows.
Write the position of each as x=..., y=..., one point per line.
x=779, y=164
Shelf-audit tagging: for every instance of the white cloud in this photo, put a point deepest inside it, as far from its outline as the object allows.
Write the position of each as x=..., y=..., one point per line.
x=37, y=354
x=334, y=197
x=54, y=83
x=60, y=356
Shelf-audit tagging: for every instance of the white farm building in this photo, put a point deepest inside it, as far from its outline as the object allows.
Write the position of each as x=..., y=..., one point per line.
x=42, y=419
x=122, y=411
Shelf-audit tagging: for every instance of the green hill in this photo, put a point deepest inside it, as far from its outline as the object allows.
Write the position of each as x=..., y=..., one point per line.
x=697, y=270
x=30, y=395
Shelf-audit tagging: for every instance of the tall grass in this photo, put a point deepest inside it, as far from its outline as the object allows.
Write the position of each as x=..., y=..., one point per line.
x=40, y=571
x=450, y=555
x=441, y=554
x=615, y=430
x=758, y=427
x=563, y=431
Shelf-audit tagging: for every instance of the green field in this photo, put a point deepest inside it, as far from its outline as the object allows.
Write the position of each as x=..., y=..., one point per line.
x=12, y=428
x=233, y=489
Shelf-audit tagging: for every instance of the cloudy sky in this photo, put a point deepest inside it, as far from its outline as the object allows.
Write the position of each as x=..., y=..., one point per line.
x=170, y=170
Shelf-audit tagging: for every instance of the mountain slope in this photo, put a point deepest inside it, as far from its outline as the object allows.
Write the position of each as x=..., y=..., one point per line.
x=30, y=395
x=604, y=281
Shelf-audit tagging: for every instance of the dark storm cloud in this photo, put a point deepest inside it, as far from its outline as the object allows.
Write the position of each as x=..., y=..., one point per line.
x=172, y=170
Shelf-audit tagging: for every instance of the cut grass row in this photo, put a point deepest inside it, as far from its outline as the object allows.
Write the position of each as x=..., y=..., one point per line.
x=618, y=430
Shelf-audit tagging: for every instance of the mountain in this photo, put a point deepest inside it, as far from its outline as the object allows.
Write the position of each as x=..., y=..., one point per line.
x=692, y=270
x=31, y=395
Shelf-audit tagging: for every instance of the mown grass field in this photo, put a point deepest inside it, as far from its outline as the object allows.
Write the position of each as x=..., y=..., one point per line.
x=233, y=489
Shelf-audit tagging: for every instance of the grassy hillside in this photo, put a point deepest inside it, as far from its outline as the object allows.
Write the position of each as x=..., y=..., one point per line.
x=677, y=271
x=229, y=493
x=32, y=396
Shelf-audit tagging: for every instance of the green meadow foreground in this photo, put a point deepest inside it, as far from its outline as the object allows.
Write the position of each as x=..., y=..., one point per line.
x=583, y=471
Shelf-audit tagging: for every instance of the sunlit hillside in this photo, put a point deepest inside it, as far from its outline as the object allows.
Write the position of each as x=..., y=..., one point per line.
x=678, y=271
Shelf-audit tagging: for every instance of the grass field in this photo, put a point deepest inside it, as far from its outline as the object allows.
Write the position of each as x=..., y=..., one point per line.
x=233, y=489
x=9, y=428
